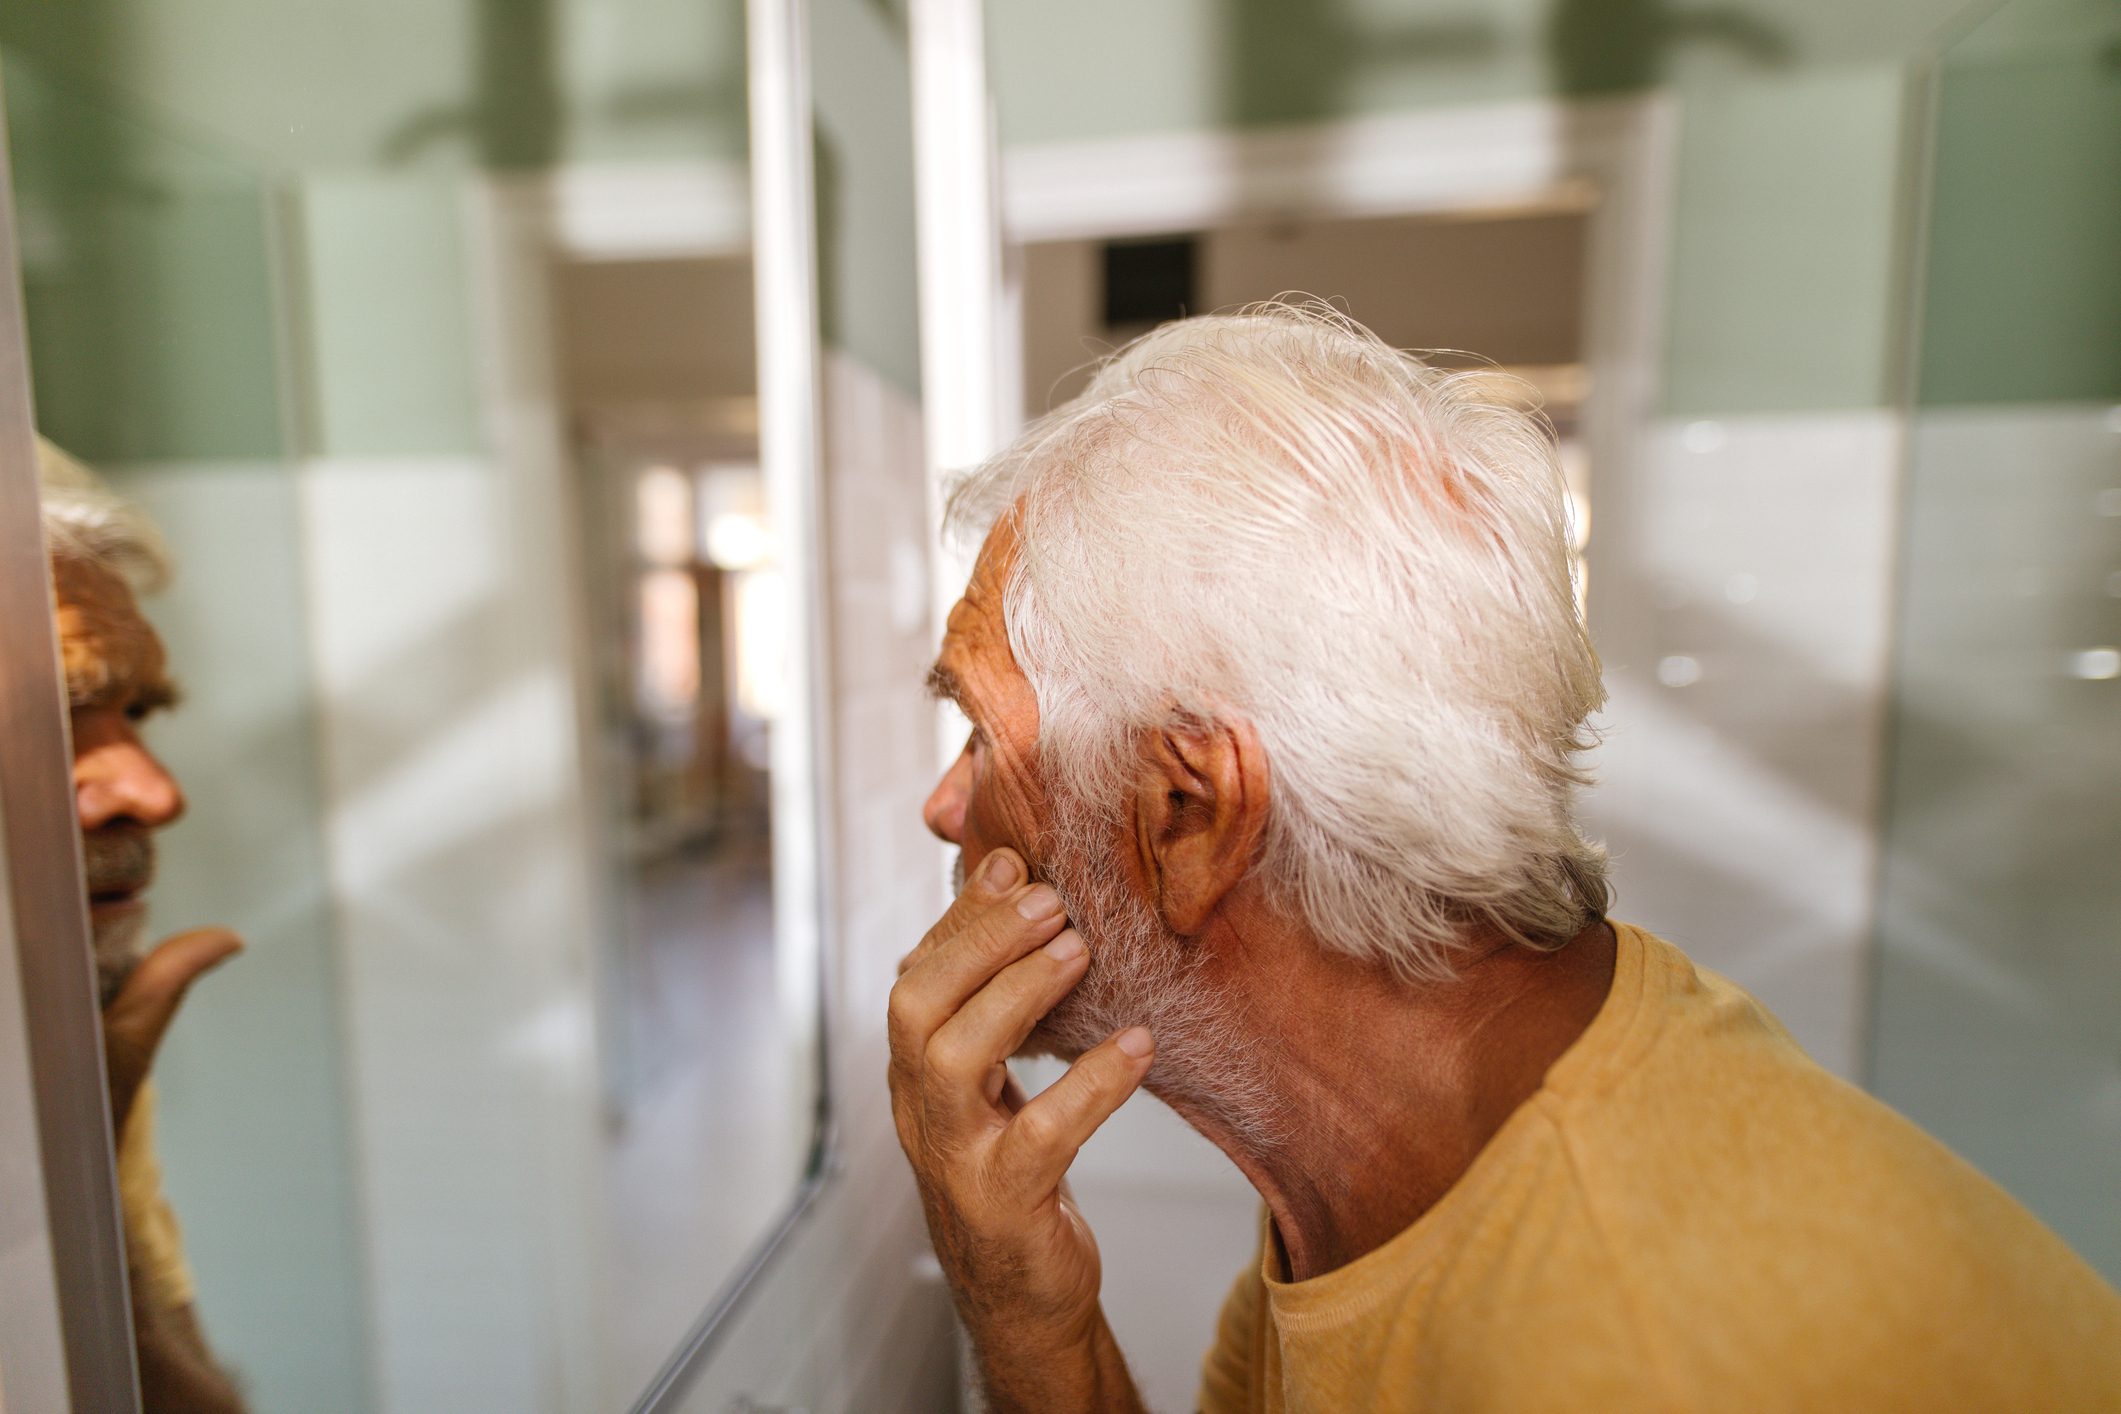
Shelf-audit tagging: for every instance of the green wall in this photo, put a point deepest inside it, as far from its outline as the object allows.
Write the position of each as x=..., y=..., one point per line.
x=497, y=83
x=188, y=154
x=211, y=179
x=1782, y=294
x=867, y=266
x=2022, y=299
x=147, y=274
x=1792, y=120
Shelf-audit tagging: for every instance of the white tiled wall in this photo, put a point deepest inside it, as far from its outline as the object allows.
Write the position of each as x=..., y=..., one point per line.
x=253, y=1065
x=453, y=830
x=2000, y=915
x=1740, y=596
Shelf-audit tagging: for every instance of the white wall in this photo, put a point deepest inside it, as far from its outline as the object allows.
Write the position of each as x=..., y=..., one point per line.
x=1741, y=598
x=255, y=1132
x=454, y=835
x=1999, y=938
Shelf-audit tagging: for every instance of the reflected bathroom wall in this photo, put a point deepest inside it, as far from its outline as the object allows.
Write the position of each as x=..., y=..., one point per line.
x=150, y=276
x=298, y=284
x=2000, y=925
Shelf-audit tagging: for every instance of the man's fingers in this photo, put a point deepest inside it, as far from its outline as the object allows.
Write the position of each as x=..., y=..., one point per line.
x=1001, y=873
x=931, y=990
x=965, y=1052
x=1042, y=1140
x=137, y=1017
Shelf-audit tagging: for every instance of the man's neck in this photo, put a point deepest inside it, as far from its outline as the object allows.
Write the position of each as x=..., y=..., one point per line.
x=1389, y=1089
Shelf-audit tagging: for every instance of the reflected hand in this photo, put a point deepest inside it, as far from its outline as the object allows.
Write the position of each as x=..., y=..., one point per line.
x=135, y=1020
x=1021, y=1261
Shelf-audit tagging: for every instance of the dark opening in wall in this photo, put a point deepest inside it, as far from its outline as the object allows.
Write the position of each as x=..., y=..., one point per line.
x=1147, y=282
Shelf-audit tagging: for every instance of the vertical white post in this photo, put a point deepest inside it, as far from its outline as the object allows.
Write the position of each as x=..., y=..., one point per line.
x=958, y=210
x=783, y=254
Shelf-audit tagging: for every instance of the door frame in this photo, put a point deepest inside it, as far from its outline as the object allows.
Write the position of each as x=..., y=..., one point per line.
x=66, y=1333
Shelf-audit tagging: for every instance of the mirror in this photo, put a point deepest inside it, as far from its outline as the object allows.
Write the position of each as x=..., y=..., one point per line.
x=425, y=335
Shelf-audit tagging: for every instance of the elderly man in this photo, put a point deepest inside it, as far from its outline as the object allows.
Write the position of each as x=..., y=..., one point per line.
x=116, y=678
x=1277, y=688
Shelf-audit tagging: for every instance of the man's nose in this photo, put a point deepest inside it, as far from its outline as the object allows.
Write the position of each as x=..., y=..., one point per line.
x=945, y=810
x=122, y=780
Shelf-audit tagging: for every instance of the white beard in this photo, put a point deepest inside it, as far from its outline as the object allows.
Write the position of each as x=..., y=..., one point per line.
x=118, y=858
x=116, y=944
x=1143, y=974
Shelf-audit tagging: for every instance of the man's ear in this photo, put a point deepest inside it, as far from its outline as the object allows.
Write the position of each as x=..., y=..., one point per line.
x=1200, y=810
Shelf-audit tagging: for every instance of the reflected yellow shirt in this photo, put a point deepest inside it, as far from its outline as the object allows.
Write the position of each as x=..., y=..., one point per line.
x=161, y=1276
x=1688, y=1215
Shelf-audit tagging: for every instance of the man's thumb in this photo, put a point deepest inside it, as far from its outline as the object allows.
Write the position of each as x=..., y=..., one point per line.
x=159, y=983
x=136, y=1018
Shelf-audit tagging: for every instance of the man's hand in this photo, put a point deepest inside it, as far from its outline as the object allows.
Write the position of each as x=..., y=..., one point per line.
x=1020, y=1259
x=177, y=1370
x=135, y=1020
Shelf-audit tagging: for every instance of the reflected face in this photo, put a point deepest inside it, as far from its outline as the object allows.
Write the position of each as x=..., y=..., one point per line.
x=116, y=677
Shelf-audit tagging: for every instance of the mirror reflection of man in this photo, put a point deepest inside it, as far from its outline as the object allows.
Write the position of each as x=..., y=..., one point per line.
x=116, y=677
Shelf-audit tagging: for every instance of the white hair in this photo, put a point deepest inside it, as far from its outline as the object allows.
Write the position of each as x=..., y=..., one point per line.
x=88, y=523
x=1272, y=516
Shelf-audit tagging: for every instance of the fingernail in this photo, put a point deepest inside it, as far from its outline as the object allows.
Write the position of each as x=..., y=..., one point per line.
x=1066, y=948
x=998, y=871
x=1135, y=1041
x=1040, y=904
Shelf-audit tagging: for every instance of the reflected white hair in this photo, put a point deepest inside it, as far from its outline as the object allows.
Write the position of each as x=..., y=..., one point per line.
x=1273, y=516
x=87, y=522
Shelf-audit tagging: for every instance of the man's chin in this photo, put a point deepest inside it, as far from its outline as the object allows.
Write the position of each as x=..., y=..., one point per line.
x=116, y=932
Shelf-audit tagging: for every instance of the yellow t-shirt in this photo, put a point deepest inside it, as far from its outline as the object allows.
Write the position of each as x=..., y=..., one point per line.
x=162, y=1278
x=1688, y=1215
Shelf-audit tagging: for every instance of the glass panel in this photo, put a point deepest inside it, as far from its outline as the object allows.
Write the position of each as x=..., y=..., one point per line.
x=2000, y=925
x=424, y=334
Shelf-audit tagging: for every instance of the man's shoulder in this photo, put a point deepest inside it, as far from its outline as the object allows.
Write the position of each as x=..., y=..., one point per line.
x=1746, y=1201
x=1709, y=1118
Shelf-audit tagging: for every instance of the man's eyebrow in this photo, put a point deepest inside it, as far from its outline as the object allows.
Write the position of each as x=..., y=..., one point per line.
x=943, y=686
x=161, y=695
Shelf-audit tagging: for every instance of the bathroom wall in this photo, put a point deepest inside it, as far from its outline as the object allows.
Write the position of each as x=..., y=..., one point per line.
x=1786, y=187
x=2000, y=920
